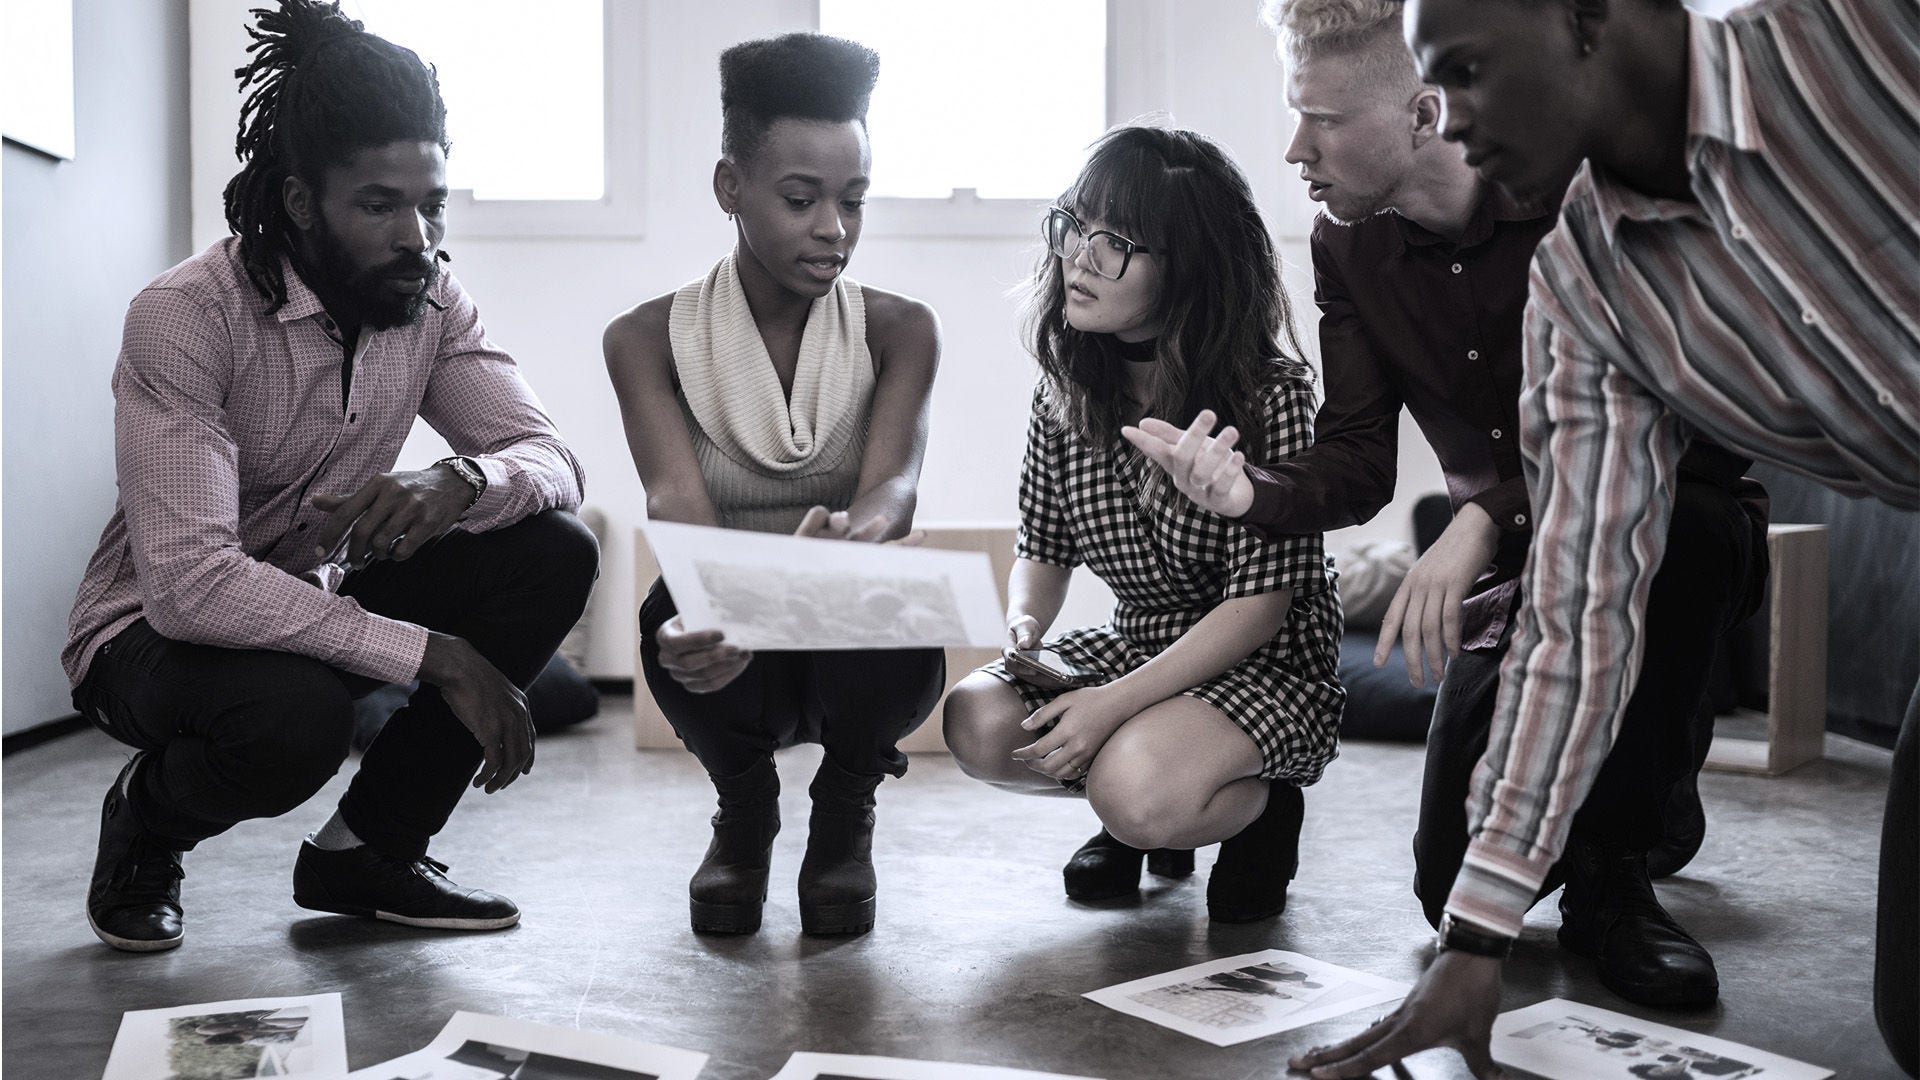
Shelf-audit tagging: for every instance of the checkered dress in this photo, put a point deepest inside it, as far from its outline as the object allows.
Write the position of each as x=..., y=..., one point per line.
x=1170, y=563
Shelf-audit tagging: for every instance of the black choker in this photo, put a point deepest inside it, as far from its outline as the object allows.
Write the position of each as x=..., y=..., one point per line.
x=1137, y=352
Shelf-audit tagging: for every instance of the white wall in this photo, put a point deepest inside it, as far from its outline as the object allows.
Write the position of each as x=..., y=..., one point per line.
x=80, y=238
x=547, y=300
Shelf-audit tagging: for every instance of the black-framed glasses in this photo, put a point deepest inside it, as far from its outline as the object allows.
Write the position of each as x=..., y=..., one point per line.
x=1108, y=253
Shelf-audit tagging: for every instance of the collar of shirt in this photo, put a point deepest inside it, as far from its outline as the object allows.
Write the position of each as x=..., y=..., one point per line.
x=1496, y=207
x=1720, y=111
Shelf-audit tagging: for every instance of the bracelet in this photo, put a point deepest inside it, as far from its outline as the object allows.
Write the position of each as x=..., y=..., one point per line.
x=1461, y=937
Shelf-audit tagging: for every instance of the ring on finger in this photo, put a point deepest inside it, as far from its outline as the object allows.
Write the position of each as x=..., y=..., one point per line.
x=394, y=543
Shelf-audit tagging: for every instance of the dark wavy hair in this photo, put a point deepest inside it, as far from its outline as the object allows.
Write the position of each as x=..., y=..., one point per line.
x=1226, y=325
x=323, y=90
x=803, y=75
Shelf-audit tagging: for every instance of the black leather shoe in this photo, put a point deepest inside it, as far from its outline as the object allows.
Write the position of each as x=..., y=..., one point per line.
x=1610, y=914
x=1685, y=830
x=730, y=887
x=1104, y=868
x=133, y=902
x=838, y=888
x=1249, y=879
x=374, y=885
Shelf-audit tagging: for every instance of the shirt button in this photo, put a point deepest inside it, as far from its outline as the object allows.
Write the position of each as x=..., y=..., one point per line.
x=329, y=325
x=1807, y=316
x=1886, y=397
x=1473, y=354
x=1457, y=268
x=1739, y=232
x=1496, y=433
x=1519, y=519
x=352, y=417
x=302, y=527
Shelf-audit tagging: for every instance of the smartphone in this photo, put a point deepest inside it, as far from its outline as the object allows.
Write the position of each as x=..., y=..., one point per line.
x=1049, y=670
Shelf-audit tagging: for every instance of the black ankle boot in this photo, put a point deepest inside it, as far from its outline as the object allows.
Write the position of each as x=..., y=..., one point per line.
x=728, y=891
x=1609, y=913
x=1249, y=880
x=837, y=883
x=1104, y=868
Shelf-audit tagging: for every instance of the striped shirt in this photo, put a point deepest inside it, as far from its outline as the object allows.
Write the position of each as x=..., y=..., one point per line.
x=228, y=419
x=1776, y=315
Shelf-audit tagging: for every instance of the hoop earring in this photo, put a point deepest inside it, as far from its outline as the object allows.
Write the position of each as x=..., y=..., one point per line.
x=729, y=215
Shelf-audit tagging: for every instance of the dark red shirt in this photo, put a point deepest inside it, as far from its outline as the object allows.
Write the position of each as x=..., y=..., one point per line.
x=1411, y=319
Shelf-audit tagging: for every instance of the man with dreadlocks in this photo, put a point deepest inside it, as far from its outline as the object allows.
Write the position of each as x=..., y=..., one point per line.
x=263, y=566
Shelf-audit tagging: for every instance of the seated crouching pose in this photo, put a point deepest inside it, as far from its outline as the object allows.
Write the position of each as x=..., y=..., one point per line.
x=756, y=398
x=262, y=567
x=1217, y=696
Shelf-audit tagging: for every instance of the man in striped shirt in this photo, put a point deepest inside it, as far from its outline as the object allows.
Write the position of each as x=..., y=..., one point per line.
x=1737, y=259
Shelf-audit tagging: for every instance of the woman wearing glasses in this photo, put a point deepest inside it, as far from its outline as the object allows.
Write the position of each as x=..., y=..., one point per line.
x=763, y=396
x=1198, y=711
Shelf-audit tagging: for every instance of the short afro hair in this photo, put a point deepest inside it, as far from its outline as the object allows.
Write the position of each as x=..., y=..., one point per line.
x=803, y=75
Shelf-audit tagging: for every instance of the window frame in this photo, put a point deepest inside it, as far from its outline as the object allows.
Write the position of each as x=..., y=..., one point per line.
x=621, y=209
x=1136, y=78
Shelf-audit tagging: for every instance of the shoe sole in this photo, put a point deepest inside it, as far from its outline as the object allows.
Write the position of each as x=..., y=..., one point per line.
x=838, y=920
x=1244, y=915
x=135, y=944
x=710, y=918
x=500, y=922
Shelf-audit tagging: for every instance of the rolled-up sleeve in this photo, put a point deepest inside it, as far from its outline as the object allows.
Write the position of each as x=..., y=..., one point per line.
x=477, y=400
x=180, y=491
x=1600, y=457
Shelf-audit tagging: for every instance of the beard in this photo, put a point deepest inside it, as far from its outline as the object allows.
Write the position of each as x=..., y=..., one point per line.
x=365, y=292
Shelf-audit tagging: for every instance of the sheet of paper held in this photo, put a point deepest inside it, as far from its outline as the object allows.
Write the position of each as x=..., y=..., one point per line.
x=766, y=591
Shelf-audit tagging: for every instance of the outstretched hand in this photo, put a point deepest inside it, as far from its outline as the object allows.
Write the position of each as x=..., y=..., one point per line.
x=1452, y=1005
x=820, y=524
x=1203, y=467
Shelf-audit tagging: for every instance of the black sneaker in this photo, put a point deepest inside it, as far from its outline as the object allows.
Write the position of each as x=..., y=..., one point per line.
x=133, y=903
x=373, y=885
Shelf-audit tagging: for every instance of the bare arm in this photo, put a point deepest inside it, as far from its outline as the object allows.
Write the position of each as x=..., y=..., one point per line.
x=639, y=359
x=904, y=336
x=1035, y=591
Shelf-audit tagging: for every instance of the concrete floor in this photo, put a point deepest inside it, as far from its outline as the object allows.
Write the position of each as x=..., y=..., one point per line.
x=977, y=956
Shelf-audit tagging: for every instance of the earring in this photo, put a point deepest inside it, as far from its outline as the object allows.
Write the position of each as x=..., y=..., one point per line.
x=729, y=214
x=1586, y=48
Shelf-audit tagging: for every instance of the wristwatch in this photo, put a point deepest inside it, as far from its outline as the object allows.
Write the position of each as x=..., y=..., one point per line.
x=465, y=469
x=1462, y=937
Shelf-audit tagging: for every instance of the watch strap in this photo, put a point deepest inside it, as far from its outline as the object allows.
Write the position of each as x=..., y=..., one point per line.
x=1463, y=937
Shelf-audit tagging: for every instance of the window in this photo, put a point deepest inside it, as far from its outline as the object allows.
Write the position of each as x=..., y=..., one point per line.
x=543, y=107
x=1001, y=96
x=982, y=110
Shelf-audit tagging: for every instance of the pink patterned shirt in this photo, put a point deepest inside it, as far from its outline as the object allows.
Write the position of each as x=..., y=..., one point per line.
x=227, y=420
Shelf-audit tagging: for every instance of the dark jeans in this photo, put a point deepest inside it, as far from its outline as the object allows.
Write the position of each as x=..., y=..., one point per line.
x=1710, y=578
x=858, y=704
x=236, y=734
x=1896, y=951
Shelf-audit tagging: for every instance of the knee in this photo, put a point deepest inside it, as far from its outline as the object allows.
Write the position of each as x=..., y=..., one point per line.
x=975, y=730
x=567, y=546
x=1142, y=815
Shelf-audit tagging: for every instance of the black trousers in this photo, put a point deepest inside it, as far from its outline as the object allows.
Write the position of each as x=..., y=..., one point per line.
x=1710, y=578
x=857, y=704
x=237, y=734
x=1896, y=951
